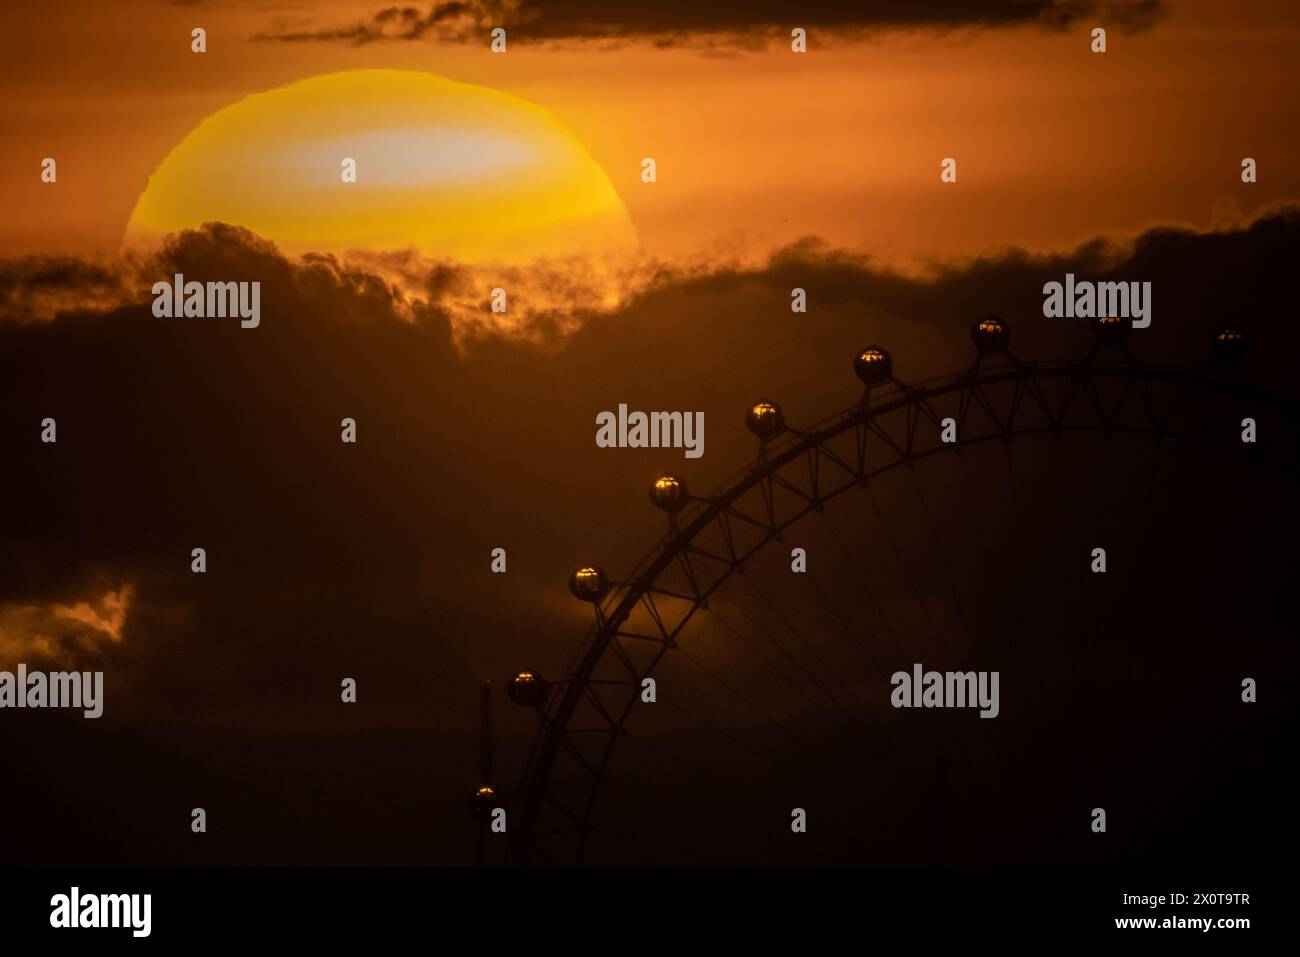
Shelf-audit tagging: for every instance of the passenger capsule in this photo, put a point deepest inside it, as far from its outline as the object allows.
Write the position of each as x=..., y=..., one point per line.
x=1230, y=345
x=669, y=493
x=991, y=334
x=482, y=801
x=588, y=583
x=1110, y=330
x=873, y=365
x=526, y=689
x=765, y=419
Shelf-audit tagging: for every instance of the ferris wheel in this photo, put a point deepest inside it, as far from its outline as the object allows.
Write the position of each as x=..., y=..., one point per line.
x=697, y=589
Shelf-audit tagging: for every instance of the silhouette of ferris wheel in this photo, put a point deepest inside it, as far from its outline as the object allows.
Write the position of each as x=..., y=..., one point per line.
x=641, y=620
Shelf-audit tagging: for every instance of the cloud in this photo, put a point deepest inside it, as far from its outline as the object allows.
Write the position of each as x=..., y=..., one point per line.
x=677, y=22
x=546, y=297
x=55, y=633
x=453, y=21
x=38, y=287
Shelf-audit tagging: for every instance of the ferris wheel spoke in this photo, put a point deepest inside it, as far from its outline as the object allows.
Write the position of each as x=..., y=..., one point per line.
x=895, y=639
x=798, y=635
x=982, y=537
x=794, y=632
x=847, y=629
x=729, y=688
x=1017, y=535
x=908, y=574
x=768, y=662
x=941, y=560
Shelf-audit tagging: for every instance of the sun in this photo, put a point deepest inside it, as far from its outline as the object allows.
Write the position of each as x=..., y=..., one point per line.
x=449, y=169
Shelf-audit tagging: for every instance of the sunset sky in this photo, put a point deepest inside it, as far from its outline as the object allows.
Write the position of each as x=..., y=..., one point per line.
x=755, y=146
x=775, y=170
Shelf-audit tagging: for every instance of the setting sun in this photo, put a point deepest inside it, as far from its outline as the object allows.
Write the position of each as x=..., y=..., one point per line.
x=449, y=169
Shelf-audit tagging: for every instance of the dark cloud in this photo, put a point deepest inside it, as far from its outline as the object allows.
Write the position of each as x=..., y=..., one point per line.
x=33, y=287
x=371, y=561
x=681, y=22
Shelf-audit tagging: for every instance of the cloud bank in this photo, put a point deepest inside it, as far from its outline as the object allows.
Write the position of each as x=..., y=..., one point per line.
x=737, y=22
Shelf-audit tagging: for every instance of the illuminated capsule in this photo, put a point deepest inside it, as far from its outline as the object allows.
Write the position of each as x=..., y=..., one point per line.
x=991, y=334
x=588, y=583
x=1230, y=345
x=668, y=492
x=527, y=689
x=1110, y=330
x=764, y=419
x=873, y=365
x=482, y=801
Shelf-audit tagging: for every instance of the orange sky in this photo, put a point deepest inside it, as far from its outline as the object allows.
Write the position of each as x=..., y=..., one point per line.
x=754, y=148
